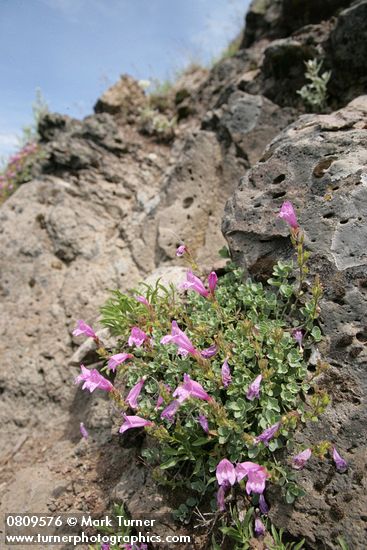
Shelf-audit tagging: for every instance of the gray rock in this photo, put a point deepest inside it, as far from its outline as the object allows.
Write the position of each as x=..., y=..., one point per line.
x=318, y=163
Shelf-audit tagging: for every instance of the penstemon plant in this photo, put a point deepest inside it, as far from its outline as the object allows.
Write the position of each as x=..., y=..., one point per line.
x=217, y=375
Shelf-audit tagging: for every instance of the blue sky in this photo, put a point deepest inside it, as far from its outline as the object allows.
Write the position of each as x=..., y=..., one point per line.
x=73, y=49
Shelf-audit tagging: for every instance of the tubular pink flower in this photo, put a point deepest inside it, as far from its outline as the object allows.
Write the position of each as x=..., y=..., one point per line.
x=93, y=380
x=268, y=434
x=259, y=528
x=288, y=214
x=209, y=352
x=226, y=374
x=133, y=422
x=179, y=338
x=190, y=388
x=137, y=337
x=116, y=360
x=181, y=250
x=221, y=493
x=340, y=463
x=256, y=476
x=298, y=336
x=264, y=508
x=142, y=300
x=84, y=431
x=169, y=412
x=299, y=461
x=212, y=281
x=132, y=396
x=83, y=328
x=253, y=391
x=225, y=473
x=194, y=283
x=203, y=421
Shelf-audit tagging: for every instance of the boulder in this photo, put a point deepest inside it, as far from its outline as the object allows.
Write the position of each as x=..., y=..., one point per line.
x=319, y=164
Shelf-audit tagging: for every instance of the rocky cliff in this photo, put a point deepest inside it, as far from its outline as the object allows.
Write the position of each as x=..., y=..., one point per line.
x=114, y=195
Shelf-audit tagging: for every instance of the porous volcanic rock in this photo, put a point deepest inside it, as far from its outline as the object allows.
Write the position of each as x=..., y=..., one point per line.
x=319, y=163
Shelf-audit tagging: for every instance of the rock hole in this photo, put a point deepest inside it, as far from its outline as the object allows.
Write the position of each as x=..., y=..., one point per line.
x=278, y=194
x=344, y=221
x=187, y=202
x=328, y=215
x=279, y=179
x=362, y=335
x=257, y=205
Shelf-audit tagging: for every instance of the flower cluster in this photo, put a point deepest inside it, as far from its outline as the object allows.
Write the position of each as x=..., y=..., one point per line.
x=17, y=170
x=217, y=375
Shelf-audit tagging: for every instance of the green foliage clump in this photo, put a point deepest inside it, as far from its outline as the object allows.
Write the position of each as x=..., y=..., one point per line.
x=314, y=94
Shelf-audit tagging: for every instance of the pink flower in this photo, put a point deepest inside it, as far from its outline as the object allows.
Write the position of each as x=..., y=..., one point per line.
x=83, y=431
x=288, y=214
x=256, y=476
x=299, y=461
x=209, y=352
x=194, y=283
x=264, y=508
x=225, y=472
x=169, y=412
x=179, y=338
x=132, y=396
x=116, y=360
x=259, y=528
x=83, y=328
x=93, y=380
x=268, y=434
x=181, y=250
x=340, y=463
x=212, y=281
x=133, y=422
x=203, y=421
x=142, y=300
x=253, y=391
x=137, y=337
x=190, y=388
x=221, y=493
x=105, y=546
x=226, y=374
x=298, y=336
x=160, y=399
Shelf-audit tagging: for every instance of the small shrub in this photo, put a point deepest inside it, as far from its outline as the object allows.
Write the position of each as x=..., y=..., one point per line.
x=314, y=94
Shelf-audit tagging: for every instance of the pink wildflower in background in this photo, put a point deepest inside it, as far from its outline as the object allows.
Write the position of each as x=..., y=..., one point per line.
x=190, y=388
x=209, y=352
x=203, y=421
x=137, y=337
x=92, y=380
x=212, y=281
x=259, y=528
x=256, y=476
x=181, y=250
x=169, y=412
x=105, y=546
x=298, y=336
x=299, y=461
x=194, y=283
x=83, y=328
x=132, y=396
x=84, y=431
x=288, y=214
x=340, y=463
x=268, y=434
x=142, y=300
x=226, y=374
x=221, y=493
x=179, y=338
x=225, y=472
x=253, y=391
x=116, y=360
x=133, y=422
